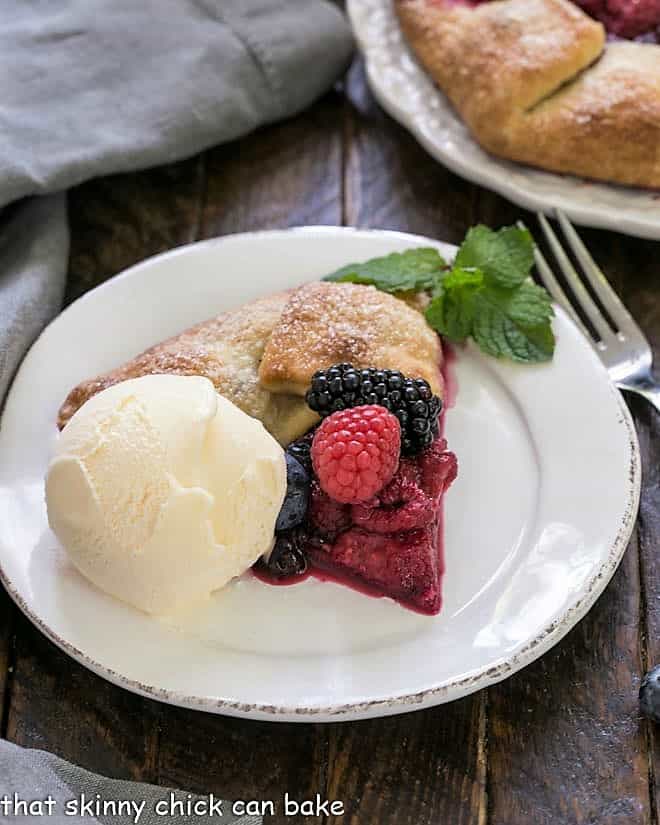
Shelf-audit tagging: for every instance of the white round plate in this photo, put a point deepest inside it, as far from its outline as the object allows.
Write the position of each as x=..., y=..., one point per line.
x=535, y=525
x=405, y=91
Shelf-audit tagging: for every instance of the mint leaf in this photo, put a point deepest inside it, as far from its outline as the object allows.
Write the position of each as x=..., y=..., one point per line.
x=514, y=324
x=459, y=278
x=529, y=305
x=414, y=269
x=451, y=312
x=505, y=257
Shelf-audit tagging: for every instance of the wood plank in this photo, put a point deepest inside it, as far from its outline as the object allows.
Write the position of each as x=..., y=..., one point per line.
x=55, y=703
x=120, y=220
x=59, y=706
x=239, y=759
x=283, y=175
x=647, y=422
x=565, y=742
x=632, y=266
x=391, y=182
x=287, y=174
x=6, y=654
x=425, y=767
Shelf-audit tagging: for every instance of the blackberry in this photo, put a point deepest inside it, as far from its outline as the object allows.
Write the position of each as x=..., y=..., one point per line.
x=410, y=399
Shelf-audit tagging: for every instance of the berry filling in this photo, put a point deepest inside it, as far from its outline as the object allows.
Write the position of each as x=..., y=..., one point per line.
x=402, y=505
x=390, y=544
x=405, y=566
x=372, y=516
x=627, y=19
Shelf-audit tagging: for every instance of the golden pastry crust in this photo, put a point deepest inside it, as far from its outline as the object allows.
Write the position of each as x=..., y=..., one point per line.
x=330, y=323
x=604, y=125
x=535, y=82
x=227, y=350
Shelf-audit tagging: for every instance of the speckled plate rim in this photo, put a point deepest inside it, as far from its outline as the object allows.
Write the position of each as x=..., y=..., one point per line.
x=438, y=694
x=633, y=211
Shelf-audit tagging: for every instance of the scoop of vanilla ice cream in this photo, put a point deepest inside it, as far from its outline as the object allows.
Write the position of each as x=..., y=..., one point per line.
x=162, y=491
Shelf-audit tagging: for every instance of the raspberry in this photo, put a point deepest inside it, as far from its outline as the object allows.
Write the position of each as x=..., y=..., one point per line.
x=355, y=452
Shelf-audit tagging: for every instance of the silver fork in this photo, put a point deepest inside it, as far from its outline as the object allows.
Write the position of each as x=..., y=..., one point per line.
x=620, y=345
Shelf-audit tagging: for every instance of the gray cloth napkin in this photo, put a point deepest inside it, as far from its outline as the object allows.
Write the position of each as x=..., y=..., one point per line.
x=93, y=88
x=52, y=791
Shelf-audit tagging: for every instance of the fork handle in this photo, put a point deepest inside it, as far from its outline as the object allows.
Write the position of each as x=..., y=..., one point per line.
x=647, y=389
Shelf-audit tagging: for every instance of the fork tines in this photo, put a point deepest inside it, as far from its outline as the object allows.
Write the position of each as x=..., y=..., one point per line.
x=620, y=324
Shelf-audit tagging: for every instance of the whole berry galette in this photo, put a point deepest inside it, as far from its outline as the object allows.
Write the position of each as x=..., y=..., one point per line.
x=571, y=87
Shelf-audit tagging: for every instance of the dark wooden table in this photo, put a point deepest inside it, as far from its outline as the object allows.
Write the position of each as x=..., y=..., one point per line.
x=560, y=742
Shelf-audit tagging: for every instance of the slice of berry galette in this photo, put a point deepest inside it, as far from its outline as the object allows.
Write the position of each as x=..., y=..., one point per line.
x=365, y=485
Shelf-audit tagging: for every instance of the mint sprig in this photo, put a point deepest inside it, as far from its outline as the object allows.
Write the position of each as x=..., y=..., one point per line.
x=505, y=257
x=486, y=295
x=415, y=269
x=490, y=297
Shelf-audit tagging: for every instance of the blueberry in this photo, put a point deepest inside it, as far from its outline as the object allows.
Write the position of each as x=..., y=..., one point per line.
x=296, y=501
x=649, y=695
x=301, y=450
x=287, y=558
